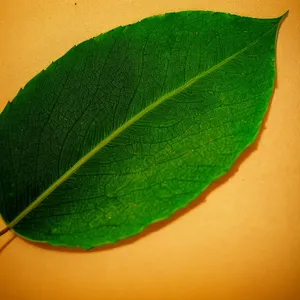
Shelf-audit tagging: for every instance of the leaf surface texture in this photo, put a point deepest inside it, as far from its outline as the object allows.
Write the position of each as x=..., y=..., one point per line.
x=130, y=126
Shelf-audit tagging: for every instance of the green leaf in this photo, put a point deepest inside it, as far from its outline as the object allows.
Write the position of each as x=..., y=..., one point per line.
x=130, y=126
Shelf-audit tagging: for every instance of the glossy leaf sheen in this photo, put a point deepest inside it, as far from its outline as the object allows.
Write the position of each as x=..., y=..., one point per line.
x=130, y=126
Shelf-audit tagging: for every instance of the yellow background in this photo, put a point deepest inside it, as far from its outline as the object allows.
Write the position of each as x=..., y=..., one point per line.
x=243, y=242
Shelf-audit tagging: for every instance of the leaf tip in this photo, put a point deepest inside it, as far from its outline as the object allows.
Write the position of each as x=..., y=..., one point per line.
x=282, y=17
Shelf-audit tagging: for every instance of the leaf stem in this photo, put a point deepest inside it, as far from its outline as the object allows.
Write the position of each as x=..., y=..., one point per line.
x=4, y=231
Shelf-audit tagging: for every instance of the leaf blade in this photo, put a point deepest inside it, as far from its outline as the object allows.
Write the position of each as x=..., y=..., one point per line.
x=110, y=189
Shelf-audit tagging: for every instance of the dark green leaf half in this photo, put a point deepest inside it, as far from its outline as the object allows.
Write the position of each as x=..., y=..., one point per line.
x=130, y=126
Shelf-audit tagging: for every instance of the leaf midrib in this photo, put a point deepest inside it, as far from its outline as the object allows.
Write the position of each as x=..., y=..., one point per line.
x=123, y=127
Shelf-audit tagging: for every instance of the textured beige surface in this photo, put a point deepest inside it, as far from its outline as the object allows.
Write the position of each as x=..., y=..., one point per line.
x=243, y=242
